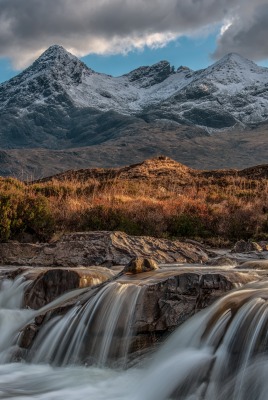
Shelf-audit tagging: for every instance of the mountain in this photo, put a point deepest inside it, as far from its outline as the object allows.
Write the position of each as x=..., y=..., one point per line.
x=59, y=104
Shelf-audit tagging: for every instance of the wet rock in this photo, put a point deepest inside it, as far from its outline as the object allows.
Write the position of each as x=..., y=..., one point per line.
x=222, y=262
x=139, y=265
x=264, y=245
x=254, y=264
x=168, y=297
x=50, y=284
x=28, y=335
x=99, y=248
x=170, y=302
x=245, y=247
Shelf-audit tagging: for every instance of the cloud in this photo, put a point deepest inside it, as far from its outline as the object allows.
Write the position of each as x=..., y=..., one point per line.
x=246, y=34
x=28, y=27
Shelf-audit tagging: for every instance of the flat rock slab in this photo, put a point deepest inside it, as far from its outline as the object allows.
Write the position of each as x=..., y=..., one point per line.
x=99, y=248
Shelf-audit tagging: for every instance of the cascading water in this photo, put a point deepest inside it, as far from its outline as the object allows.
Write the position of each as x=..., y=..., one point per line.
x=221, y=353
x=93, y=333
x=12, y=317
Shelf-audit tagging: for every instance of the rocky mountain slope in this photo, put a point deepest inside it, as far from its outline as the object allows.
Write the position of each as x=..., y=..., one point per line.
x=58, y=104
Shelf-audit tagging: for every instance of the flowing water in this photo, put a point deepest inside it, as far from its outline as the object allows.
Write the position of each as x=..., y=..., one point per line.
x=94, y=333
x=219, y=354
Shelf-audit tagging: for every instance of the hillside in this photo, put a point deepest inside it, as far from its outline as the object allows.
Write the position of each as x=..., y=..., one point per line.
x=229, y=150
x=157, y=197
x=162, y=172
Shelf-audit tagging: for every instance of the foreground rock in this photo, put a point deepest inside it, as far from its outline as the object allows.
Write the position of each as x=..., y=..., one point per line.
x=254, y=264
x=246, y=247
x=50, y=284
x=167, y=298
x=222, y=261
x=139, y=265
x=99, y=248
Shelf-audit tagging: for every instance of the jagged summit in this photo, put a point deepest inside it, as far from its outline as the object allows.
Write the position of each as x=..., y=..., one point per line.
x=59, y=56
x=46, y=81
x=59, y=61
x=56, y=49
x=236, y=58
x=150, y=75
x=233, y=68
x=236, y=61
x=54, y=64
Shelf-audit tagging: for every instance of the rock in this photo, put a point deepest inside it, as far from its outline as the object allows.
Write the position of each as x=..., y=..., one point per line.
x=245, y=247
x=264, y=245
x=173, y=299
x=222, y=262
x=28, y=335
x=50, y=284
x=99, y=248
x=138, y=265
x=259, y=264
x=168, y=297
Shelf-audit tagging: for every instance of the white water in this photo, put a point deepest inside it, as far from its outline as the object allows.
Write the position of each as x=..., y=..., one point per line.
x=12, y=318
x=94, y=333
x=219, y=354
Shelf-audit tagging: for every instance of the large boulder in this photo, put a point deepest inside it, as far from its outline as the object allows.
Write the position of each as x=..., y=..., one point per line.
x=49, y=284
x=99, y=248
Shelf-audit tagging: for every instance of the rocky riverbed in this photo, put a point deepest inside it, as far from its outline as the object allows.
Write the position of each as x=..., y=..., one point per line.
x=161, y=283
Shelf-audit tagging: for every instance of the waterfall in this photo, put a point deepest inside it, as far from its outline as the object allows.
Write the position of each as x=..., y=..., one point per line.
x=221, y=353
x=98, y=332
x=12, y=316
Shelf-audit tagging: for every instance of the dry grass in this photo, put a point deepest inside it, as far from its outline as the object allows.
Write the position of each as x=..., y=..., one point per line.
x=218, y=207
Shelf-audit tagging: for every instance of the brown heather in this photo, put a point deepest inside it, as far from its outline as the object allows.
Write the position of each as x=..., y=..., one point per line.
x=158, y=197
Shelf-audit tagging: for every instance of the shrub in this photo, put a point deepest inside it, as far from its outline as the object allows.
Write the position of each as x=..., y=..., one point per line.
x=23, y=213
x=187, y=225
x=8, y=214
x=102, y=218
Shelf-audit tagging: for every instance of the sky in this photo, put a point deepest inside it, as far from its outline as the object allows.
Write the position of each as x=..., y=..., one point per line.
x=116, y=36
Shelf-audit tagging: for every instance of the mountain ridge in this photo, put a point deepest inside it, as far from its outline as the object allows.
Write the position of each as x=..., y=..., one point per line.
x=59, y=104
x=57, y=72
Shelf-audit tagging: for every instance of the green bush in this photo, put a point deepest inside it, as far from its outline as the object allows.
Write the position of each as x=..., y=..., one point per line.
x=8, y=214
x=23, y=213
x=102, y=218
x=186, y=225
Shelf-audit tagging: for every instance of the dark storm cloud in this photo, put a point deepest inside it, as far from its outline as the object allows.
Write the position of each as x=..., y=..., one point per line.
x=27, y=27
x=247, y=35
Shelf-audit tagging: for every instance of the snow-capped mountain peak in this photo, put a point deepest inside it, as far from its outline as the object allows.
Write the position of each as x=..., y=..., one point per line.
x=235, y=69
x=235, y=59
x=55, y=63
x=232, y=91
x=61, y=64
x=48, y=77
x=55, y=51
